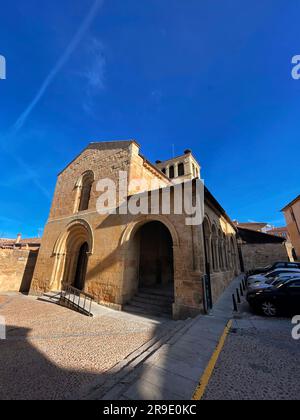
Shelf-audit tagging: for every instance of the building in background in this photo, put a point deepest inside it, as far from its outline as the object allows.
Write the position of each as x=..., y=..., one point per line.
x=282, y=232
x=17, y=262
x=258, y=249
x=255, y=226
x=292, y=217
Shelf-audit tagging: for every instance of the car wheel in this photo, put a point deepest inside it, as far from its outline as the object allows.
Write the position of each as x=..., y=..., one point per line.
x=269, y=309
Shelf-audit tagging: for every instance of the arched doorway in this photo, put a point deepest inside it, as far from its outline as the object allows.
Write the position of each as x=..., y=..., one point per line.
x=156, y=267
x=81, y=266
x=149, y=285
x=71, y=252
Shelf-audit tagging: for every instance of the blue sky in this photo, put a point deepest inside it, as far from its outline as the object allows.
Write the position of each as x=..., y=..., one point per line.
x=210, y=75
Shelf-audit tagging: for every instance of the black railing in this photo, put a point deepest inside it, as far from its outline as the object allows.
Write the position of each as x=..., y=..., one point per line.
x=76, y=299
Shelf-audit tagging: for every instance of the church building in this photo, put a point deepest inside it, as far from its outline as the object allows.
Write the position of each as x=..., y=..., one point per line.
x=137, y=262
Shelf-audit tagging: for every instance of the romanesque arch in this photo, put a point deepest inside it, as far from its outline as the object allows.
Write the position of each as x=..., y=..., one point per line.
x=232, y=253
x=158, y=262
x=71, y=252
x=83, y=189
x=207, y=233
x=214, y=247
x=130, y=230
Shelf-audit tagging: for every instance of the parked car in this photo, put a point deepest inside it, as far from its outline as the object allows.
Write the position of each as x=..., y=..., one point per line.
x=272, y=281
x=278, y=264
x=282, y=298
x=261, y=278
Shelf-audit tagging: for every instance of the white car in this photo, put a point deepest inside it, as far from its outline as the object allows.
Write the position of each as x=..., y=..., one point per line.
x=262, y=278
x=269, y=282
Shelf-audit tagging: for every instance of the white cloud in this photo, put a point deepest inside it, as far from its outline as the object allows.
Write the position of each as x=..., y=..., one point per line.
x=94, y=73
x=20, y=122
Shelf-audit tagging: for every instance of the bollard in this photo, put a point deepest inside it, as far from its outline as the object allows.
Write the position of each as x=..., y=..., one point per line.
x=238, y=296
x=235, y=308
x=241, y=290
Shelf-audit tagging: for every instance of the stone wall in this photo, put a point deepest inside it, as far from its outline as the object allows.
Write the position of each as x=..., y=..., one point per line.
x=260, y=255
x=16, y=269
x=292, y=216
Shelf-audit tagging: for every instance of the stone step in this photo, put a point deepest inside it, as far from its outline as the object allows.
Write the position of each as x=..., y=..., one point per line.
x=157, y=292
x=148, y=298
x=150, y=305
x=159, y=313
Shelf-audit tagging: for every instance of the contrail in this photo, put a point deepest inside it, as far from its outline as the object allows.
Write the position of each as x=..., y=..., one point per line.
x=58, y=66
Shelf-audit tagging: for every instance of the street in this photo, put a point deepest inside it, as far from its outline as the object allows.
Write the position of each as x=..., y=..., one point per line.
x=260, y=360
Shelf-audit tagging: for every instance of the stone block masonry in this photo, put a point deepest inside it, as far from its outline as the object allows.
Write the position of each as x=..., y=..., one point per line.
x=16, y=269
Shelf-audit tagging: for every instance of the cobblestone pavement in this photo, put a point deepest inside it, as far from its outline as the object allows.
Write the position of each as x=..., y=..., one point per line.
x=260, y=361
x=52, y=351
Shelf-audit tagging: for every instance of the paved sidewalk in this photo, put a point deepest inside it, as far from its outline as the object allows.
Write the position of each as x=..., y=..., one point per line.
x=52, y=352
x=174, y=370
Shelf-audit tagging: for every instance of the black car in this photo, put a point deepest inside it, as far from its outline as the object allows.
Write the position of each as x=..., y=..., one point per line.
x=271, y=267
x=281, y=298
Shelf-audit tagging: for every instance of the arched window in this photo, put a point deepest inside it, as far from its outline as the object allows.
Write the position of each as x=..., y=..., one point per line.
x=214, y=248
x=233, y=253
x=207, y=239
x=180, y=169
x=171, y=172
x=226, y=257
x=83, y=194
x=221, y=251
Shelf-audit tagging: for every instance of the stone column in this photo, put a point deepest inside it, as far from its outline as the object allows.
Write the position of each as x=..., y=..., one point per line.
x=175, y=170
x=168, y=171
x=198, y=249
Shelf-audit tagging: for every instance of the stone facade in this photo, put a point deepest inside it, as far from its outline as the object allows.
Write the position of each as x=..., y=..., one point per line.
x=111, y=252
x=292, y=216
x=261, y=255
x=259, y=249
x=16, y=269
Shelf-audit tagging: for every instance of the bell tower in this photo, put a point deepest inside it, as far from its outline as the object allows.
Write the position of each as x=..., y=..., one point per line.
x=181, y=168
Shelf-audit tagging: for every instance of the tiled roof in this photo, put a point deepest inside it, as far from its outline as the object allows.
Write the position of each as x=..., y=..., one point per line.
x=8, y=242
x=252, y=237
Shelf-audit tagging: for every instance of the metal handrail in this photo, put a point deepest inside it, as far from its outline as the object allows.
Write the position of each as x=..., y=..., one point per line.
x=69, y=294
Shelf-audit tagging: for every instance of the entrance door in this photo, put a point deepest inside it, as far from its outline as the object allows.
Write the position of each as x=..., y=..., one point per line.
x=156, y=256
x=81, y=267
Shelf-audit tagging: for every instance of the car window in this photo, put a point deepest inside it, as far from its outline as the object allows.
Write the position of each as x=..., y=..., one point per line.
x=280, y=265
x=294, y=284
x=292, y=265
x=274, y=273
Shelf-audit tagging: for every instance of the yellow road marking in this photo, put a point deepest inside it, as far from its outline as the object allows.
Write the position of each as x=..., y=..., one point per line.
x=200, y=390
